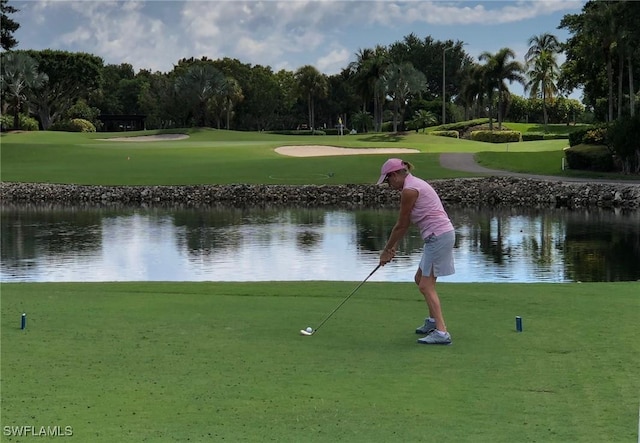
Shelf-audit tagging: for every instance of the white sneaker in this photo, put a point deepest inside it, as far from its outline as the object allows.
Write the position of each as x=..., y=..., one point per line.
x=427, y=327
x=436, y=338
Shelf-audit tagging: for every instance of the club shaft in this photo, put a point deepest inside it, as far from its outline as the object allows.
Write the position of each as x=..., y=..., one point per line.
x=345, y=300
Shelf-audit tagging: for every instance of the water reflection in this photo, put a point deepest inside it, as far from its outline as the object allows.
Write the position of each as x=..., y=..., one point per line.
x=45, y=243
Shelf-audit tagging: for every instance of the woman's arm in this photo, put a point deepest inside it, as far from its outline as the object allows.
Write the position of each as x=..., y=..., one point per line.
x=407, y=201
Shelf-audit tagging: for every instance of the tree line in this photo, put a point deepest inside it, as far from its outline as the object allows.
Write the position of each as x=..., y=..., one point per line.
x=409, y=84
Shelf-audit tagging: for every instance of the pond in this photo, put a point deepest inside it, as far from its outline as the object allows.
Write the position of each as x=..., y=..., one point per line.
x=53, y=244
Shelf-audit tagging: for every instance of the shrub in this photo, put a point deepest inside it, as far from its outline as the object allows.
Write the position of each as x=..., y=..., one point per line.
x=73, y=125
x=590, y=158
x=596, y=136
x=452, y=134
x=529, y=137
x=26, y=123
x=555, y=137
x=496, y=136
x=461, y=126
x=591, y=135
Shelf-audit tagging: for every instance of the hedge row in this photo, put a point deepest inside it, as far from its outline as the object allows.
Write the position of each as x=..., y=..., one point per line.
x=496, y=136
x=452, y=134
x=590, y=158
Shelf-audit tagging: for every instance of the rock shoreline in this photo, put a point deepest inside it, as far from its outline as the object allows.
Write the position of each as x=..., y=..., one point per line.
x=487, y=192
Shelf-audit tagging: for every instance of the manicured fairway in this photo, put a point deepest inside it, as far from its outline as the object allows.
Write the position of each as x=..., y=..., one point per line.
x=174, y=362
x=223, y=157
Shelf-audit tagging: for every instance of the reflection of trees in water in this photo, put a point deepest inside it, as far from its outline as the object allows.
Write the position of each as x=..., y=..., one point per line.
x=482, y=231
x=374, y=226
x=582, y=243
x=30, y=231
x=595, y=245
x=227, y=230
x=592, y=253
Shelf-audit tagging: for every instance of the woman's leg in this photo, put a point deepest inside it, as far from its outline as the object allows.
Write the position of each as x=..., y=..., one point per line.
x=427, y=286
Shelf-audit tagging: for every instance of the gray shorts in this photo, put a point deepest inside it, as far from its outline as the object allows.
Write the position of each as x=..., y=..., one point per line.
x=438, y=254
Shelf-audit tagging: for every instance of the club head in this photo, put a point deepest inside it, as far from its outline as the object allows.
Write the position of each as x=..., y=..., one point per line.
x=303, y=332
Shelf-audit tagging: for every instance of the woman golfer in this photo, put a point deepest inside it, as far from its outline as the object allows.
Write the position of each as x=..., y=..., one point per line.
x=421, y=205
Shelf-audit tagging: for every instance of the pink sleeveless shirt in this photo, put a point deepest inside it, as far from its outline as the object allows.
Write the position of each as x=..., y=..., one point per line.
x=427, y=214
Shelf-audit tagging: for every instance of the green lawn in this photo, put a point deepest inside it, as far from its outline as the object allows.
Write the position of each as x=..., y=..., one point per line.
x=222, y=157
x=174, y=362
x=530, y=128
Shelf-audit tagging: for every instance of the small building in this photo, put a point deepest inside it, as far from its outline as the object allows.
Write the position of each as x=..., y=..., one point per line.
x=122, y=122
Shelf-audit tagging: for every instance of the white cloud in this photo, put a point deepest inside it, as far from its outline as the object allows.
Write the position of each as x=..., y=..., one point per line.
x=465, y=12
x=281, y=34
x=334, y=61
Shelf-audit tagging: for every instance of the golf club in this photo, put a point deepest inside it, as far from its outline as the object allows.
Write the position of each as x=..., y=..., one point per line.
x=313, y=331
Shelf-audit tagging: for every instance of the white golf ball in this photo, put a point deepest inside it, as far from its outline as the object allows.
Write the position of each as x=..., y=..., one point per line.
x=309, y=329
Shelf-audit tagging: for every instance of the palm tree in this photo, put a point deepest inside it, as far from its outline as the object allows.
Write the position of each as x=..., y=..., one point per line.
x=231, y=94
x=542, y=74
x=198, y=85
x=399, y=82
x=498, y=69
x=423, y=118
x=311, y=85
x=543, y=71
x=362, y=120
x=601, y=23
x=367, y=71
x=472, y=89
x=19, y=76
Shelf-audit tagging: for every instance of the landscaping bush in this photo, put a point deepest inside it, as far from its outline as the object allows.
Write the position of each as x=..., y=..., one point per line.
x=496, y=136
x=595, y=136
x=532, y=136
x=73, y=125
x=590, y=158
x=452, y=134
x=591, y=135
x=555, y=137
x=461, y=126
x=529, y=137
x=26, y=123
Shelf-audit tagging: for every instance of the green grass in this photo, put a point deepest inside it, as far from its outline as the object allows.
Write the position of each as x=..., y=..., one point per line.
x=208, y=156
x=172, y=362
x=222, y=157
x=532, y=128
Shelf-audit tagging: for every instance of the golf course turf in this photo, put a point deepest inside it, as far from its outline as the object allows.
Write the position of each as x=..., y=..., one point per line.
x=225, y=362
x=211, y=361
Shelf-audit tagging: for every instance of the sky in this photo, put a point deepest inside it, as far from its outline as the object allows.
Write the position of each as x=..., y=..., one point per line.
x=327, y=34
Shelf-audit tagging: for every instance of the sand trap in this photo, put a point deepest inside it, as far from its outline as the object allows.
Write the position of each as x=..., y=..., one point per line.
x=147, y=138
x=322, y=151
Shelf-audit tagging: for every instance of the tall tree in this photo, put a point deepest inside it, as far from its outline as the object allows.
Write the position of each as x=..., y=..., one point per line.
x=542, y=68
x=311, y=86
x=602, y=23
x=368, y=69
x=7, y=26
x=400, y=81
x=19, y=75
x=500, y=68
x=472, y=89
x=72, y=75
x=200, y=83
x=223, y=104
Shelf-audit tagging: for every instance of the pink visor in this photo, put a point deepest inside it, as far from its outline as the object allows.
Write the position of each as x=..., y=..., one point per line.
x=391, y=165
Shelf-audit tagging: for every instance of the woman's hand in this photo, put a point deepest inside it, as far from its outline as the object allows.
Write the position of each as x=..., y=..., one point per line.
x=386, y=256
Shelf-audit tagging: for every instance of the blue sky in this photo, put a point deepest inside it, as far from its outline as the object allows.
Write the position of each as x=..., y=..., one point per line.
x=282, y=34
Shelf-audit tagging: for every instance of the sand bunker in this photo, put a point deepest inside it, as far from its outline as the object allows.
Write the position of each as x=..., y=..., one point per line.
x=147, y=138
x=322, y=151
